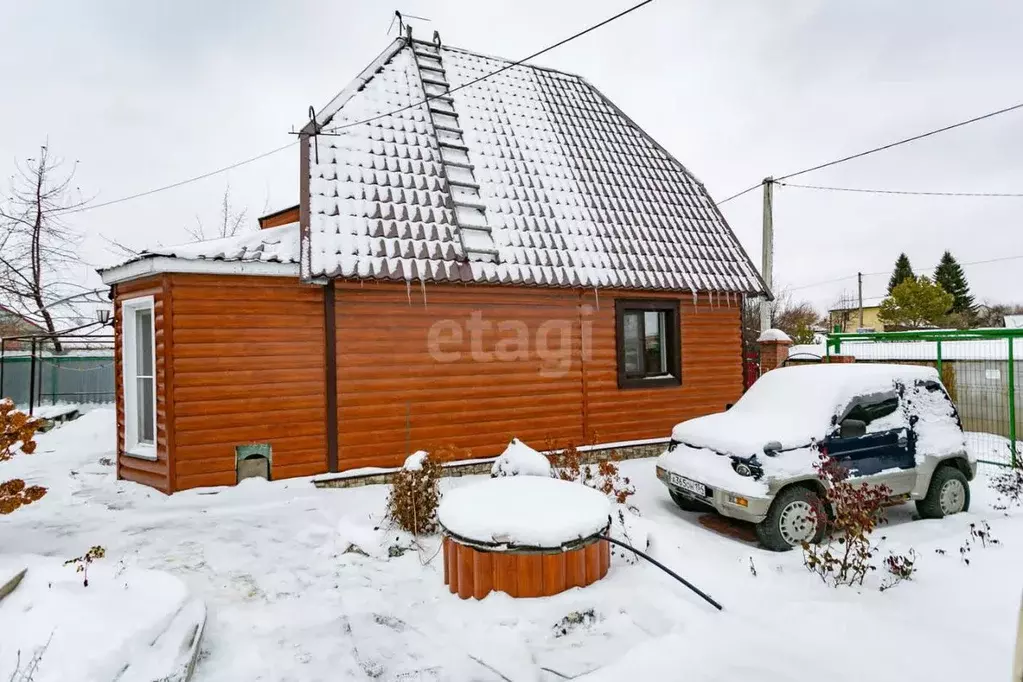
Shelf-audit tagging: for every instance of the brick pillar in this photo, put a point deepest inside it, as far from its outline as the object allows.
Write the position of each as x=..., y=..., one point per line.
x=840, y=359
x=774, y=349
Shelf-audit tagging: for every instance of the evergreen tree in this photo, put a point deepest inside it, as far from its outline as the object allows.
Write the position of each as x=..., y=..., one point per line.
x=903, y=271
x=949, y=274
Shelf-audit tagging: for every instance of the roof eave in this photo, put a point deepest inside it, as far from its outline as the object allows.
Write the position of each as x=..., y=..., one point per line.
x=147, y=266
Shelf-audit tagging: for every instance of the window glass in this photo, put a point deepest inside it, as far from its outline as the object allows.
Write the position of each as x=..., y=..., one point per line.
x=633, y=342
x=145, y=410
x=648, y=343
x=144, y=377
x=868, y=412
x=144, y=342
x=653, y=343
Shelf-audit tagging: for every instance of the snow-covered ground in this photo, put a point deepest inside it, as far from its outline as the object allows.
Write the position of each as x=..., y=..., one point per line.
x=289, y=596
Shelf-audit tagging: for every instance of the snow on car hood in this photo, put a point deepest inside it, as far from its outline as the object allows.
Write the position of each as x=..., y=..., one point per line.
x=793, y=406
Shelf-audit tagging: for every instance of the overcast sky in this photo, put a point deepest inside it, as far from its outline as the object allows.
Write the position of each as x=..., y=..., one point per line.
x=145, y=94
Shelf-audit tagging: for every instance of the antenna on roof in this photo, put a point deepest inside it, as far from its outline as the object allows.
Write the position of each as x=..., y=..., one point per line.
x=403, y=26
x=316, y=130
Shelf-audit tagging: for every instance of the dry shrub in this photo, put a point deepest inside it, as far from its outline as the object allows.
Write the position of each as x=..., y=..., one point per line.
x=83, y=562
x=1009, y=486
x=16, y=428
x=414, y=497
x=14, y=494
x=569, y=464
x=846, y=555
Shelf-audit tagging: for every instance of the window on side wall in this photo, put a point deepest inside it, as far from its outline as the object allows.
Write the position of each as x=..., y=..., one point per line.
x=648, y=343
x=138, y=360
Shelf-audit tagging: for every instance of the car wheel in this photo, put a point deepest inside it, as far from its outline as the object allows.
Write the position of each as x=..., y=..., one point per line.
x=796, y=516
x=686, y=504
x=949, y=493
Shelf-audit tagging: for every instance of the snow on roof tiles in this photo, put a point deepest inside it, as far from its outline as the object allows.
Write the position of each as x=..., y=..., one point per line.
x=272, y=245
x=530, y=176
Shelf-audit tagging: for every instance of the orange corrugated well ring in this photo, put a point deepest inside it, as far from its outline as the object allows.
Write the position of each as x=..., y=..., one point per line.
x=476, y=563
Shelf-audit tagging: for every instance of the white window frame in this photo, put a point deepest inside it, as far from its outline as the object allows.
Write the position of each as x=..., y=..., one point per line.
x=129, y=376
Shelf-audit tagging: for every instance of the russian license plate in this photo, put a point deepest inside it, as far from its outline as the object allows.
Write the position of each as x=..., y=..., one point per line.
x=689, y=485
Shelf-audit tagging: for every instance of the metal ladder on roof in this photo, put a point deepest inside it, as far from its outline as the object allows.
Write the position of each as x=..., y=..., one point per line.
x=470, y=212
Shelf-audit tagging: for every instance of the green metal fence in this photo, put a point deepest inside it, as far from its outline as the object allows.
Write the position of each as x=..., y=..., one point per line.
x=982, y=369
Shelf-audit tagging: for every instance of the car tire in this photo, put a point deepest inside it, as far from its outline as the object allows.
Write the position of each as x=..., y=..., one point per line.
x=776, y=531
x=948, y=493
x=686, y=504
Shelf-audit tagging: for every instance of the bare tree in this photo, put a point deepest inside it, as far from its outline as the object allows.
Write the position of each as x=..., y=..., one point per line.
x=797, y=319
x=230, y=222
x=38, y=250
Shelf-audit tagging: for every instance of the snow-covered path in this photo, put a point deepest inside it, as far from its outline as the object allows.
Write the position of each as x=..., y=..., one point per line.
x=286, y=601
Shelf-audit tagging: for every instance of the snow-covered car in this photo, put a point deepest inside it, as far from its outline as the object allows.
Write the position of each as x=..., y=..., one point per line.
x=887, y=424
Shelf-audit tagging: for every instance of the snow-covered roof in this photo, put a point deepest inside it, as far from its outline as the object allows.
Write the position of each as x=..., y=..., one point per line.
x=530, y=176
x=272, y=251
x=272, y=245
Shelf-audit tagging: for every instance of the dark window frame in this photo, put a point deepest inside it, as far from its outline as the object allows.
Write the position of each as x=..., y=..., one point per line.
x=672, y=338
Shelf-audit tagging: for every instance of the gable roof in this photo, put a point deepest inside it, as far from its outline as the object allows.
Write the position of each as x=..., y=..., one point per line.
x=530, y=176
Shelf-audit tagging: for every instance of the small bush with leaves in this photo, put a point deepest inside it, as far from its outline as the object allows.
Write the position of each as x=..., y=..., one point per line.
x=900, y=567
x=17, y=429
x=83, y=562
x=415, y=494
x=846, y=554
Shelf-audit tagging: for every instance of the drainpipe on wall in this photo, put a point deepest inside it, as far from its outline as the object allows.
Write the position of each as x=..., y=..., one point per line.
x=330, y=348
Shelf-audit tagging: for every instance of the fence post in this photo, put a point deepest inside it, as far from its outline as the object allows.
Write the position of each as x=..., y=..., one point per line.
x=32, y=379
x=940, y=375
x=1012, y=401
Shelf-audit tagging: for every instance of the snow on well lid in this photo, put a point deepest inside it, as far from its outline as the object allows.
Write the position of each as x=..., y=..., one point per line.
x=525, y=511
x=530, y=176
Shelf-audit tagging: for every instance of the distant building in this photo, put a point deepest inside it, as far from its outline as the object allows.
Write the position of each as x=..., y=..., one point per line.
x=1014, y=321
x=847, y=319
x=13, y=324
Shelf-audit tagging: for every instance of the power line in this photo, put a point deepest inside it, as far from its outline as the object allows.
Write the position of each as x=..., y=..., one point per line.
x=888, y=272
x=818, y=284
x=864, y=190
x=739, y=194
x=880, y=149
x=485, y=76
x=903, y=141
x=180, y=182
x=282, y=148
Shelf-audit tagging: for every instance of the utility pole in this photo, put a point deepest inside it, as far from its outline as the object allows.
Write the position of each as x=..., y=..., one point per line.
x=859, y=280
x=767, y=264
